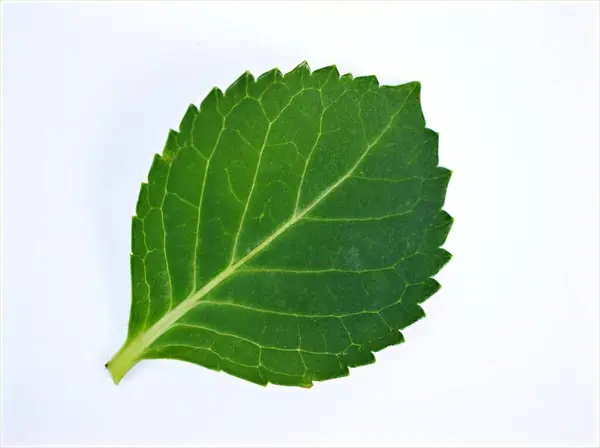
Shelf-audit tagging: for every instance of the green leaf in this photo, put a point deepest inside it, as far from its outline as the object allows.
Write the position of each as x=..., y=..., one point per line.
x=289, y=230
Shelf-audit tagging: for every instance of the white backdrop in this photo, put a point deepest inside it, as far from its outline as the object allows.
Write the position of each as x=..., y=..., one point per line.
x=508, y=354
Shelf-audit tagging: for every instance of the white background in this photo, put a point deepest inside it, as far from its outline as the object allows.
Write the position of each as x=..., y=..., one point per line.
x=508, y=354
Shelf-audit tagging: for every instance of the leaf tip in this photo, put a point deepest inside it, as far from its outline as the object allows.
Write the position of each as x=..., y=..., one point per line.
x=191, y=111
x=444, y=257
x=188, y=119
x=172, y=146
x=216, y=92
x=431, y=136
x=415, y=87
x=248, y=76
x=212, y=100
x=302, y=66
x=272, y=75
x=369, y=81
x=242, y=83
x=327, y=72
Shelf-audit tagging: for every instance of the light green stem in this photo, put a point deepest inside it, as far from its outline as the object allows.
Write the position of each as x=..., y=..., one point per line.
x=131, y=352
x=121, y=363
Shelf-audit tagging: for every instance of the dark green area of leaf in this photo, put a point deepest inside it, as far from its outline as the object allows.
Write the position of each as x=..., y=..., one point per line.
x=293, y=225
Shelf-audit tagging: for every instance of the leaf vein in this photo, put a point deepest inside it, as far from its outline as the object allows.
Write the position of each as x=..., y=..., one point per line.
x=185, y=201
x=250, y=341
x=256, y=171
x=200, y=201
x=164, y=229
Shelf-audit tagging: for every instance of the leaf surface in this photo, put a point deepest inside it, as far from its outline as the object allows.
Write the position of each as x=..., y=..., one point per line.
x=290, y=229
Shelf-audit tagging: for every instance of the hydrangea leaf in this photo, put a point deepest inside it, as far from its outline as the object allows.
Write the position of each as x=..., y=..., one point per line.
x=290, y=228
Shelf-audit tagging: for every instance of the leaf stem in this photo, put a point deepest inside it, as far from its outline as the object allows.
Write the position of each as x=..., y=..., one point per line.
x=121, y=363
x=132, y=351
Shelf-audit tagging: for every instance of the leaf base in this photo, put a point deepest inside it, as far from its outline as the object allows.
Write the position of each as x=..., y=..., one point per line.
x=121, y=363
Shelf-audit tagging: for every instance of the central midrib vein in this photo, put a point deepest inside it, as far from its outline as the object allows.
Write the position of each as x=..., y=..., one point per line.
x=135, y=349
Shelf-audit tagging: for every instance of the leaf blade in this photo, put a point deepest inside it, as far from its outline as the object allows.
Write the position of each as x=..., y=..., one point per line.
x=347, y=203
